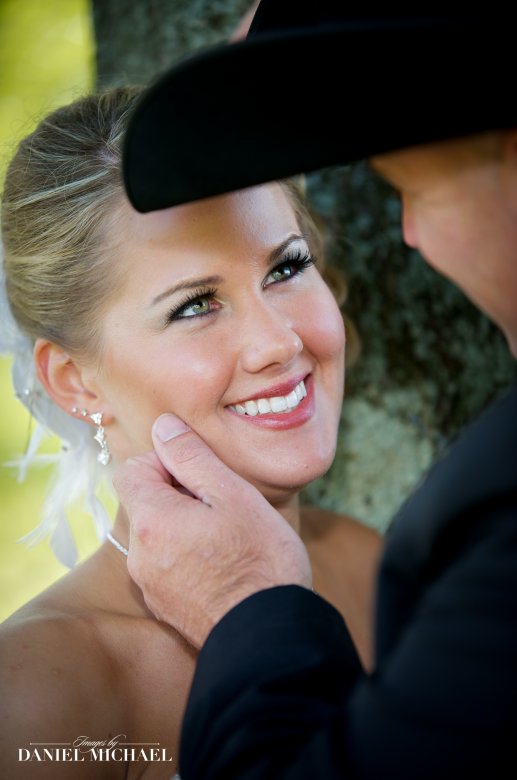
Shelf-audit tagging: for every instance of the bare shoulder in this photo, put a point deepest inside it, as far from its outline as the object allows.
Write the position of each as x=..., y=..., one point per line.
x=86, y=659
x=344, y=555
x=340, y=546
x=323, y=525
x=56, y=683
x=43, y=645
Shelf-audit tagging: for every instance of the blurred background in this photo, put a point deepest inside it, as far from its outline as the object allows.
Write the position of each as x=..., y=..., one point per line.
x=50, y=53
x=46, y=59
x=429, y=363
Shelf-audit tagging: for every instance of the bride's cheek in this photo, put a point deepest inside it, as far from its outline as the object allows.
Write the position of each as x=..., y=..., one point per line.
x=328, y=332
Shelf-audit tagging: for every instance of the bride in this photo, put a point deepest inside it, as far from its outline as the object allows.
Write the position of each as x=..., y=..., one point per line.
x=217, y=311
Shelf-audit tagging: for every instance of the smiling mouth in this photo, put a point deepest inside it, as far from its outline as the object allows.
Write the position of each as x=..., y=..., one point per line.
x=280, y=404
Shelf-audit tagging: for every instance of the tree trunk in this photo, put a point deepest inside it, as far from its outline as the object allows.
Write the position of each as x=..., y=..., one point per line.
x=430, y=361
x=137, y=39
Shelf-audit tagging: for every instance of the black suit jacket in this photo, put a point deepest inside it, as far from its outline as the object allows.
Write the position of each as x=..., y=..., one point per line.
x=279, y=691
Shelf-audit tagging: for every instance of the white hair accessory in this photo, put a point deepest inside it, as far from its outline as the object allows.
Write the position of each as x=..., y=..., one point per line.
x=78, y=473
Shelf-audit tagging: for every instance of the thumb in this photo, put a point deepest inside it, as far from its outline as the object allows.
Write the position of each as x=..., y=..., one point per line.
x=191, y=461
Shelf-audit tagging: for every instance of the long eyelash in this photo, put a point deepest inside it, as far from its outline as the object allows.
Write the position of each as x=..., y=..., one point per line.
x=303, y=260
x=300, y=259
x=191, y=298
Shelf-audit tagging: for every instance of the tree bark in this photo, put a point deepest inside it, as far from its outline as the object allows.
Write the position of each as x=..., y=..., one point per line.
x=430, y=361
x=137, y=39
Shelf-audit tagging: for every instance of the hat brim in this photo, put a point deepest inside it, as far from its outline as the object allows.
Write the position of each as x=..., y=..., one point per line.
x=267, y=108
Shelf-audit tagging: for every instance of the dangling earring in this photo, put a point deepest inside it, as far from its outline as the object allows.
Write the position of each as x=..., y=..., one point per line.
x=104, y=455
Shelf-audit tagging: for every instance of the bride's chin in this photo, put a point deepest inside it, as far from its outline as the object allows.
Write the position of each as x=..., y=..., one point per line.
x=285, y=490
x=288, y=479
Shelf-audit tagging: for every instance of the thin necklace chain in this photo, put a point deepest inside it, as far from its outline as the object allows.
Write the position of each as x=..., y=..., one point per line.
x=116, y=543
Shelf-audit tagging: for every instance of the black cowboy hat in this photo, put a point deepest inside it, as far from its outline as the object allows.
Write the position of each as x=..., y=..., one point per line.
x=317, y=83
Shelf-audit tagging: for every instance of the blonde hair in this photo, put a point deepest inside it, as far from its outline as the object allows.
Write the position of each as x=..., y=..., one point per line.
x=59, y=195
x=62, y=197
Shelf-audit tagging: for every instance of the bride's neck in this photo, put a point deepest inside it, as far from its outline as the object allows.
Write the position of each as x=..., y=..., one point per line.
x=290, y=511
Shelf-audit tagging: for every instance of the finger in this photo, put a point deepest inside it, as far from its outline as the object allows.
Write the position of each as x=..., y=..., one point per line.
x=142, y=482
x=191, y=462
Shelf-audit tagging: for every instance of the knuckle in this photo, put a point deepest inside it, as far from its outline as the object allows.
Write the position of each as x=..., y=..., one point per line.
x=189, y=450
x=128, y=476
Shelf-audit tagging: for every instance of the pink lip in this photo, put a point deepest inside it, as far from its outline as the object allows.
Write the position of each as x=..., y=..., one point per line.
x=284, y=388
x=293, y=419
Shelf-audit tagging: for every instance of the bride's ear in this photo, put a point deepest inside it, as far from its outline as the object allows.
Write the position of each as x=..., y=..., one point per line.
x=66, y=382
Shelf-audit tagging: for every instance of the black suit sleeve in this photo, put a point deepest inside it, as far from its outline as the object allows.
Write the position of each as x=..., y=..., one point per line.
x=271, y=672
x=279, y=692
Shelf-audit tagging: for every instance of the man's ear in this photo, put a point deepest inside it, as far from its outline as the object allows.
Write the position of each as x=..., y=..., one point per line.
x=66, y=382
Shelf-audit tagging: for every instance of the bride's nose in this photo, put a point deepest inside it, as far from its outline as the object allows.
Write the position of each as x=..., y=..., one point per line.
x=268, y=338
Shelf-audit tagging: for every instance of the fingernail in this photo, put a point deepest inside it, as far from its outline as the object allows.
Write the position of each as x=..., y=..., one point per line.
x=168, y=426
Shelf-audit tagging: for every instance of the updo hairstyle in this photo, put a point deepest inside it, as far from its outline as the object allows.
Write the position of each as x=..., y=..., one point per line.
x=61, y=196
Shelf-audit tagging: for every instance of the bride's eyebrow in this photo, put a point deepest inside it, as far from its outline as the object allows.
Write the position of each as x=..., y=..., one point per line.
x=213, y=281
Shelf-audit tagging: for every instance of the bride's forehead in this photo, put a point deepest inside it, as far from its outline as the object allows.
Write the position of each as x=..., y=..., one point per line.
x=257, y=213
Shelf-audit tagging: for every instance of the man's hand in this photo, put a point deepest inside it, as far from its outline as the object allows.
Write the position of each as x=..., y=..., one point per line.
x=203, y=539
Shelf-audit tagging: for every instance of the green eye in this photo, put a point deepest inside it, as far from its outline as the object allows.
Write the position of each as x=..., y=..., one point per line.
x=201, y=306
x=290, y=267
x=282, y=273
x=196, y=305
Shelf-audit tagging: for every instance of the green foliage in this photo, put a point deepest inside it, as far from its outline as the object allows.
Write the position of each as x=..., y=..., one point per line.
x=46, y=53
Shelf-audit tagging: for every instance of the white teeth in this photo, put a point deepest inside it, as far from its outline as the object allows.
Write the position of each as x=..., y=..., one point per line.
x=264, y=407
x=251, y=408
x=277, y=405
x=292, y=400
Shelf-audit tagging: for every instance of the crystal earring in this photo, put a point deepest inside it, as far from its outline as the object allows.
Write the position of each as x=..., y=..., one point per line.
x=104, y=455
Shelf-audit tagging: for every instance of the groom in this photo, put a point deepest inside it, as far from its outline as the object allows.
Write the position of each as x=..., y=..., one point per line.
x=278, y=690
